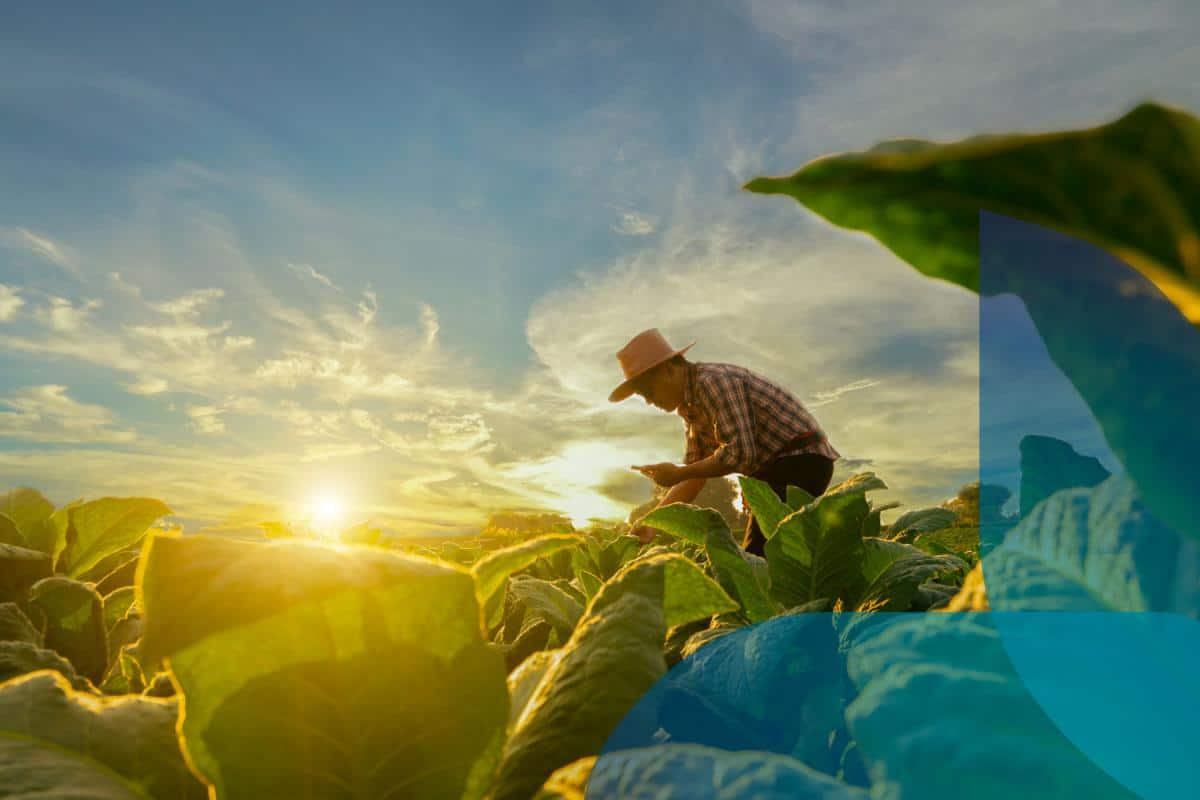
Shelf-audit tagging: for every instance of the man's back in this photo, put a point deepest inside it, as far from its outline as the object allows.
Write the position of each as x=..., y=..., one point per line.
x=746, y=418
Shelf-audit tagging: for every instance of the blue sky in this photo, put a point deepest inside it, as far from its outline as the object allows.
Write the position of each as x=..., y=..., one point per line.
x=254, y=257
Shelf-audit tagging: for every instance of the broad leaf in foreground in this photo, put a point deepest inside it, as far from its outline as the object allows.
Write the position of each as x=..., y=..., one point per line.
x=493, y=570
x=20, y=568
x=816, y=552
x=706, y=527
x=688, y=771
x=312, y=670
x=764, y=504
x=55, y=742
x=612, y=658
x=106, y=526
x=75, y=628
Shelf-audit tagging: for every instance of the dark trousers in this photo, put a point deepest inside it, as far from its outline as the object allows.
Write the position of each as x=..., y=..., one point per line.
x=810, y=471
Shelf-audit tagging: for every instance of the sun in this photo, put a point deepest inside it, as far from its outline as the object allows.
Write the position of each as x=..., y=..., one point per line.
x=327, y=511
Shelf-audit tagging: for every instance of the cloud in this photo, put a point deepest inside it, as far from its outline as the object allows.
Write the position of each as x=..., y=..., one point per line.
x=206, y=419
x=47, y=414
x=10, y=302
x=429, y=324
x=190, y=303
x=147, y=386
x=308, y=271
x=633, y=223
x=826, y=397
x=64, y=316
x=42, y=247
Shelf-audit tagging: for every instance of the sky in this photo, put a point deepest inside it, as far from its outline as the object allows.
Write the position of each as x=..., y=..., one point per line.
x=253, y=258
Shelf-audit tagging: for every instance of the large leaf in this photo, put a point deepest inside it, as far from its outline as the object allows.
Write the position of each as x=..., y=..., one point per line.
x=321, y=671
x=25, y=508
x=922, y=520
x=548, y=602
x=16, y=627
x=117, y=604
x=20, y=568
x=922, y=200
x=764, y=504
x=1094, y=550
x=21, y=658
x=817, y=551
x=707, y=527
x=523, y=680
x=896, y=588
x=1131, y=187
x=940, y=707
x=49, y=535
x=10, y=533
x=614, y=655
x=687, y=771
x=74, y=623
x=493, y=570
x=55, y=742
x=106, y=526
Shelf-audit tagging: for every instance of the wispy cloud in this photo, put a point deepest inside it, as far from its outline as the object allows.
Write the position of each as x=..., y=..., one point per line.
x=309, y=271
x=188, y=304
x=206, y=419
x=48, y=414
x=10, y=302
x=66, y=317
x=42, y=247
x=147, y=386
x=826, y=397
x=634, y=223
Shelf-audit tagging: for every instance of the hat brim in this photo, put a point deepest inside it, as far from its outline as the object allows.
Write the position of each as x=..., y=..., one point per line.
x=626, y=388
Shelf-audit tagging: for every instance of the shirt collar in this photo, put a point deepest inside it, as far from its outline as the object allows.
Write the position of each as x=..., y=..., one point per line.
x=689, y=387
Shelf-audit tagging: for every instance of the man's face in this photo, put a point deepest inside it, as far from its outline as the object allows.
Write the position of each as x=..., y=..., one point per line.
x=654, y=388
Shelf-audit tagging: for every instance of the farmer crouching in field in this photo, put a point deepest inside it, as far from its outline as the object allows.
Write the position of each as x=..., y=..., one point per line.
x=736, y=422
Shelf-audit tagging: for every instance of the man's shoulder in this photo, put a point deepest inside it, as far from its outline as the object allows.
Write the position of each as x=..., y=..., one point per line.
x=712, y=372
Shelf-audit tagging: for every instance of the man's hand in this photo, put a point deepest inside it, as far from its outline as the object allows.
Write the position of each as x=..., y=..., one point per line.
x=664, y=474
x=643, y=533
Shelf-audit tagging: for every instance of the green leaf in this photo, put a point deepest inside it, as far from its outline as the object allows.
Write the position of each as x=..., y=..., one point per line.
x=22, y=658
x=16, y=627
x=923, y=201
x=687, y=771
x=20, y=568
x=895, y=588
x=1094, y=550
x=548, y=602
x=312, y=670
x=116, y=605
x=74, y=623
x=591, y=583
x=523, y=680
x=764, y=504
x=735, y=574
x=798, y=498
x=10, y=533
x=493, y=570
x=124, y=675
x=49, y=535
x=856, y=484
x=1131, y=187
x=611, y=659
x=25, y=507
x=105, y=526
x=817, y=551
x=922, y=520
x=55, y=742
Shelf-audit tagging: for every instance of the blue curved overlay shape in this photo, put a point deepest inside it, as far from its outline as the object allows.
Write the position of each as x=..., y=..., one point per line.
x=1084, y=679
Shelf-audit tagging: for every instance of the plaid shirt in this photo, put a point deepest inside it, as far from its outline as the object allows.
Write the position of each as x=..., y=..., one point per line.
x=745, y=419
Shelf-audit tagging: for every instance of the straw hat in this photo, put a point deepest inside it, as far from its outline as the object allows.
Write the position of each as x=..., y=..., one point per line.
x=643, y=353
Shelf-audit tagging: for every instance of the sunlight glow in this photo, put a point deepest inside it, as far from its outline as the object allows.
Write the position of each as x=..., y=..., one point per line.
x=327, y=512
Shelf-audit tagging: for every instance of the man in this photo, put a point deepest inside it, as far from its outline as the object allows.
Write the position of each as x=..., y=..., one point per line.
x=736, y=422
